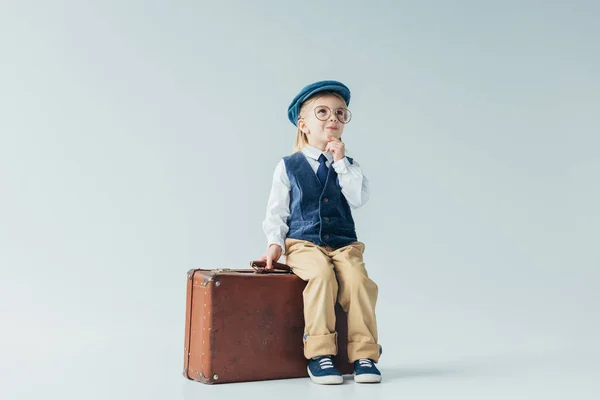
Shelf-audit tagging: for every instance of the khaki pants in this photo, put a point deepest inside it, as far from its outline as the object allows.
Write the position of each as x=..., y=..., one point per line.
x=335, y=275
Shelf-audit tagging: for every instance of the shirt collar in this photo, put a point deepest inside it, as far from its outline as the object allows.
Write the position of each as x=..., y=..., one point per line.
x=314, y=153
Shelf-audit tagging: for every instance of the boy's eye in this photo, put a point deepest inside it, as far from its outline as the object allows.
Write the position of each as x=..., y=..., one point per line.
x=321, y=111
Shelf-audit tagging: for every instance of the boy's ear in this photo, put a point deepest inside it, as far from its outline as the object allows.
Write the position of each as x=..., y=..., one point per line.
x=302, y=126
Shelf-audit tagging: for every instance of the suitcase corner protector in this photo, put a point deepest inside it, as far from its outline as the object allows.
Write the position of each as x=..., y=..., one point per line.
x=201, y=378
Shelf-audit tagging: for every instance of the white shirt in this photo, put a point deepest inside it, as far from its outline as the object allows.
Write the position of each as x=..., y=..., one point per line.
x=354, y=185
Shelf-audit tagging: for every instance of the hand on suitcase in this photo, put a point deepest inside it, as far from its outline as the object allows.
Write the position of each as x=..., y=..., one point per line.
x=273, y=253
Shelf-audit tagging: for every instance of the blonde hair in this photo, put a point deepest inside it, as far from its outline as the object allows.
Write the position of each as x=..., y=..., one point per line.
x=301, y=137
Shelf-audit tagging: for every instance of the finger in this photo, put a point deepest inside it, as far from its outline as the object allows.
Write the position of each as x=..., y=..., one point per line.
x=334, y=139
x=269, y=262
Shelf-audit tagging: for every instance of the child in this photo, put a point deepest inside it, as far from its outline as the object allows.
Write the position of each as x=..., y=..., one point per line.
x=309, y=220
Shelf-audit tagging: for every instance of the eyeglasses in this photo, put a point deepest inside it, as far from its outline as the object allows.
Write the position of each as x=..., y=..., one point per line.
x=342, y=114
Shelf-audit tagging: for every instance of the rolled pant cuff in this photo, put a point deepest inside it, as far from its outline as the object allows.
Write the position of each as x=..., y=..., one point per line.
x=320, y=345
x=358, y=350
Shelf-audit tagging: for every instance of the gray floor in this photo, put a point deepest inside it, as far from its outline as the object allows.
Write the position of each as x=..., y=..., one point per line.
x=464, y=357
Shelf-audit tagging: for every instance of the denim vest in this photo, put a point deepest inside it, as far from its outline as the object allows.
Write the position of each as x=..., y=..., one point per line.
x=318, y=214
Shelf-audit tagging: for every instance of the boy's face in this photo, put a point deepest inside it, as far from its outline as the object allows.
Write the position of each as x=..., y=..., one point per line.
x=316, y=126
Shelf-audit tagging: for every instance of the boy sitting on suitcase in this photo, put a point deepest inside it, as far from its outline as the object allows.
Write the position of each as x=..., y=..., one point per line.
x=309, y=219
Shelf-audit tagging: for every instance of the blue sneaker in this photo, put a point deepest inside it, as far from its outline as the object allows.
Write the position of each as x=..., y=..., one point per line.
x=322, y=371
x=365, y=371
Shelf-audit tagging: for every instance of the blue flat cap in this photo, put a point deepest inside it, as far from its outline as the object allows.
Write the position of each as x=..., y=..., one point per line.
x=314, y=88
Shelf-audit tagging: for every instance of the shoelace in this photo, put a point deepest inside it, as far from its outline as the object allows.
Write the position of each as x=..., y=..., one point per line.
x=325, y=363
x=365, y=362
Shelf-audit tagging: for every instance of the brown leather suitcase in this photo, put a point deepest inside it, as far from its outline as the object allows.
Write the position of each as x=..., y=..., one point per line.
x=247, y=325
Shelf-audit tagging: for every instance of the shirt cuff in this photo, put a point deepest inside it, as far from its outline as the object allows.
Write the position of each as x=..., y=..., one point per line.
x=341, y=166
x=278, y=242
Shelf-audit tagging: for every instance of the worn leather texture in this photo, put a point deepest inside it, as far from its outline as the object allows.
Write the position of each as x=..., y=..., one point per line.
x=244, y=325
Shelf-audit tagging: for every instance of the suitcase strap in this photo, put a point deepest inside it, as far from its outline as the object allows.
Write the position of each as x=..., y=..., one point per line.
x=260, y=267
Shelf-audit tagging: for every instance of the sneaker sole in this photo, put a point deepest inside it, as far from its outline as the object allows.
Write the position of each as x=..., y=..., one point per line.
x=326, y=380
x=367, y=378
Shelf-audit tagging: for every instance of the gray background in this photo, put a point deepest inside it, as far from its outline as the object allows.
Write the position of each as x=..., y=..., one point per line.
x=138, y=140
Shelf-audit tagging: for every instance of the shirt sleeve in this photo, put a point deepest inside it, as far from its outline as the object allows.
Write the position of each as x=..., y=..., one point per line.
x=354, y=184
x=278, y=208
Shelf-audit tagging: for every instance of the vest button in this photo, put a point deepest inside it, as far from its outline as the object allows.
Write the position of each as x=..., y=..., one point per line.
x=326, y=218
x=325, y=199
x=326, y=237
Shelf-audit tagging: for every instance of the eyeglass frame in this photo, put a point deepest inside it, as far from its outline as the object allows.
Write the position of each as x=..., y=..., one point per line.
x=330, y=113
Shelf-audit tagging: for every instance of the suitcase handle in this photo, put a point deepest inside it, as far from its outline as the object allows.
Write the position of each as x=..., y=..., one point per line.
x=260, y=267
